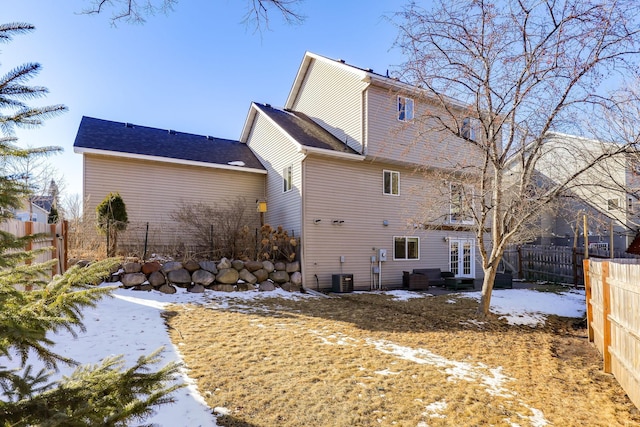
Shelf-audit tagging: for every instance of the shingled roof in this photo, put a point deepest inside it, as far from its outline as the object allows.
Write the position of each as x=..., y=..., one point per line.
x=118, y=137
x=304, y=130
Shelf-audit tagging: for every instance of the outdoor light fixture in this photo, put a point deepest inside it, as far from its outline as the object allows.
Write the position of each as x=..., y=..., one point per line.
x=261, y=206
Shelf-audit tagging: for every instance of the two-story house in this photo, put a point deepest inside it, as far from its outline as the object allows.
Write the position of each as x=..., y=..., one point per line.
x=369, y=187
x=603, y=183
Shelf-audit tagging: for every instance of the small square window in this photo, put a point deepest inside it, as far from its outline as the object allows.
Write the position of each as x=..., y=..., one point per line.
x=391, y=183
x=460, y=209
x=287, y=178
x=470, y=128
x=405, y=248
x=612, y=204
x=405, y=109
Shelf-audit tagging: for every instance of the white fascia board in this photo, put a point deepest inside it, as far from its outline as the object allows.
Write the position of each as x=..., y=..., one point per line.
x=248, y=123
x=82, y=150
x=302, y=72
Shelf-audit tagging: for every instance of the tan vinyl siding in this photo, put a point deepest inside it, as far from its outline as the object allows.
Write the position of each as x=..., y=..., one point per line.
x=332, y=97
x=414, y=142
x=152, y=190
x=276, y=152
x=352, y=192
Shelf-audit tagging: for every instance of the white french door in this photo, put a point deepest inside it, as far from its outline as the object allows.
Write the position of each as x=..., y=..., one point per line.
x=461, y=257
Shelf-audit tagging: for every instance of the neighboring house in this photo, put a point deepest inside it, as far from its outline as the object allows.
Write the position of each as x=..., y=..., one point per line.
x=37, y=213
x=608, y=191
x=156, y=171
x=345, y=165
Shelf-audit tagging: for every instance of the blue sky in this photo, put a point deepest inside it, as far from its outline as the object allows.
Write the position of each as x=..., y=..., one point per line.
x=194, y=70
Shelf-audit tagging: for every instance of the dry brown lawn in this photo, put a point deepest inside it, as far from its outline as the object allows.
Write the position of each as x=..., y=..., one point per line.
x=370, y=360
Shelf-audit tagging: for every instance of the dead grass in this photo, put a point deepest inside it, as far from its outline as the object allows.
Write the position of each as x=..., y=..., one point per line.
x=337, y=362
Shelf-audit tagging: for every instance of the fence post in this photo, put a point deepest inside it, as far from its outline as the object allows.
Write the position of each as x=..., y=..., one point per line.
x=520, y=272
x=606, y=310
x=587, y=288
x=54, y=243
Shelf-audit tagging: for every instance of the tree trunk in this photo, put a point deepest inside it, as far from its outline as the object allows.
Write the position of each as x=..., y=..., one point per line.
x=487, y=288
x=113, y=242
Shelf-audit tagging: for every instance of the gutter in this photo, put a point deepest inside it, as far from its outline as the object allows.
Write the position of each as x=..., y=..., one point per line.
x=329, y=153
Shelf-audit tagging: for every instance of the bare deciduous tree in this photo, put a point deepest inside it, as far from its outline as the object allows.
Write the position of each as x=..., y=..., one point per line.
x=133, y=11
x=518, y=69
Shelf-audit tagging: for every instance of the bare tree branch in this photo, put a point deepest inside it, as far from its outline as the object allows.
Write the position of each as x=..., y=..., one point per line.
x=137, y=11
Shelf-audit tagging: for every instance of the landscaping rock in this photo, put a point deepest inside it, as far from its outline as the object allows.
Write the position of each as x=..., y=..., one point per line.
x=267, y=286
x=286, y=286
x=295, y=288
x=280, y=266
x=133, y=279
x=157, y=279
x=268, y=266
x=247, y=277
x=227, y=276
x=196, y=289
x=296, y=278
x=171, y=266
x=132, y=267
x=252, y=265
x=245, y=287
x=150, y=267
x=261, y=275
x=237, y=264
x=180, y=276
x=293, y=267
x=167, y=289
x=203, y=277
x=224, y=264
x=144, y=287
x=224, y=288
x=209, y=266
x=279, y=276
x=191, y=266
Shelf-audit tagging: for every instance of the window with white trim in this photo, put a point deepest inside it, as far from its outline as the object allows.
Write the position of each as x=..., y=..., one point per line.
x=391, y=182
x=405, y=109
x=613, y=204
x=287, y=178
x=461, y=204
x=470, y=127
x=405, y=248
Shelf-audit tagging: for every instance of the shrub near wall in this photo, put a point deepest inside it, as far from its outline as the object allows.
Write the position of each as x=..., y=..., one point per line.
x=225, y=275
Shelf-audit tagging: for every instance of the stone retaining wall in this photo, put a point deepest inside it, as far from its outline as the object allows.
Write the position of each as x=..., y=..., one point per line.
x=224, y=275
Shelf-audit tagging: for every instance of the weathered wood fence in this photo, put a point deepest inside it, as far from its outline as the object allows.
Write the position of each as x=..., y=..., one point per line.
x=559, y=264
x=55, y=237
x=613, y=303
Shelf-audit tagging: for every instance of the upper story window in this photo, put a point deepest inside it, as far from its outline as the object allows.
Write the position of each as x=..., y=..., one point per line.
x=406, y=248
x=613, y=204
x=470, y=128
x=287, y=178
x=405, y=109
x=461, y=204
x=391, y=182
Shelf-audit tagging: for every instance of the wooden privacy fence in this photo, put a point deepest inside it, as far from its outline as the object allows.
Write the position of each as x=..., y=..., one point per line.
x=55, y=238
x=560, y=264
x=613, y=318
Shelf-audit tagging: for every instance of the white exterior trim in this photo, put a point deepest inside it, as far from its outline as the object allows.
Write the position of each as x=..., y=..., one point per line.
x=82, y=150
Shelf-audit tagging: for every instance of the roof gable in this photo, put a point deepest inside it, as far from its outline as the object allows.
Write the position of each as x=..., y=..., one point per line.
x=305, y=131
x=118, y=137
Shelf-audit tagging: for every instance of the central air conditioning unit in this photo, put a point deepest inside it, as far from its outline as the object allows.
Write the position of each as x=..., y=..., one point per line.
x=342, y=283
